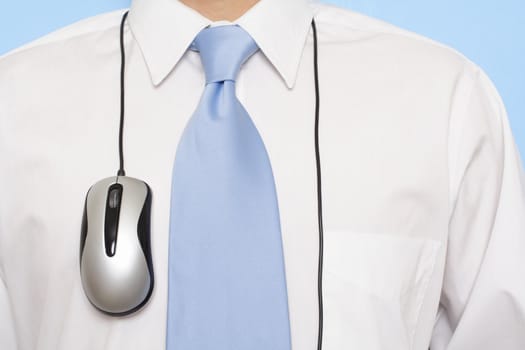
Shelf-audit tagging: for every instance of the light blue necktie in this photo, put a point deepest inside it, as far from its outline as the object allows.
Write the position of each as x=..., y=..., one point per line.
x=227, y=287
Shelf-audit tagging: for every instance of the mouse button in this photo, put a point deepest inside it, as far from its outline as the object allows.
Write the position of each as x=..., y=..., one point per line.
x=132, y=202
x=95, y=207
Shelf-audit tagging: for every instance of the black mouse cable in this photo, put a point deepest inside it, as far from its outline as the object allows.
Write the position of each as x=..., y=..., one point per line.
x=121, y=171
x=319, y=194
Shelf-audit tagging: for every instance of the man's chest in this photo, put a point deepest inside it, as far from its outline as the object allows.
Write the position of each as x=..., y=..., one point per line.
x=384, y=196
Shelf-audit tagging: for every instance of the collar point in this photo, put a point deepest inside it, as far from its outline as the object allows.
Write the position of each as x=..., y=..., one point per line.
x=156, y=80
x=290, y=82
x=156, y=77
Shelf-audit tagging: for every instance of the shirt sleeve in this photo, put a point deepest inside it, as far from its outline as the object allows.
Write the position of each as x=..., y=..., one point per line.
x=482, y=302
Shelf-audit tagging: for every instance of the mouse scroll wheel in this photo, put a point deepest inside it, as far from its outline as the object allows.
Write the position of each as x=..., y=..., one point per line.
x=111, y=223
x=114, y=198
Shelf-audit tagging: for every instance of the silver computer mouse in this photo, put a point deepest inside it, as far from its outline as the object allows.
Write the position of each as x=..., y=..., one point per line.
x=115, y=253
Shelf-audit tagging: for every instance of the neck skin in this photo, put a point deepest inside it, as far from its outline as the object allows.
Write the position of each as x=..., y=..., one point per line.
x=218, y=10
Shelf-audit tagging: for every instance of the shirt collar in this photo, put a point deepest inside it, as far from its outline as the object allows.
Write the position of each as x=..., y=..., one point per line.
x=164, y=29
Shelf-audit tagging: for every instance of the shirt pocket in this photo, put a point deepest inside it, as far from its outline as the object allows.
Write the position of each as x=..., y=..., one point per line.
x=373, y=288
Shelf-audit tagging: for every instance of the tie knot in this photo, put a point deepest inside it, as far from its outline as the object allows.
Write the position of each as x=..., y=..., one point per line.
x=223, y=49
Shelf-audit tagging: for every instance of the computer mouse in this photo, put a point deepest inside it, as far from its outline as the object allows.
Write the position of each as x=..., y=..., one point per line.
x=115, y=253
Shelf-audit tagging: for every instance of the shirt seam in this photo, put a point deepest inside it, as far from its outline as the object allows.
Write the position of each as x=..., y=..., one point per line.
x=452, y=197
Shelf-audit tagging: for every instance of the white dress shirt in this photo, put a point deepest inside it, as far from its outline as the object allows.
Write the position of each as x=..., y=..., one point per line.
x=423, y=187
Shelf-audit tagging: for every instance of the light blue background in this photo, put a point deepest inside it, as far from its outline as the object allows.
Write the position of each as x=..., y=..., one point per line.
x=491, y=33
